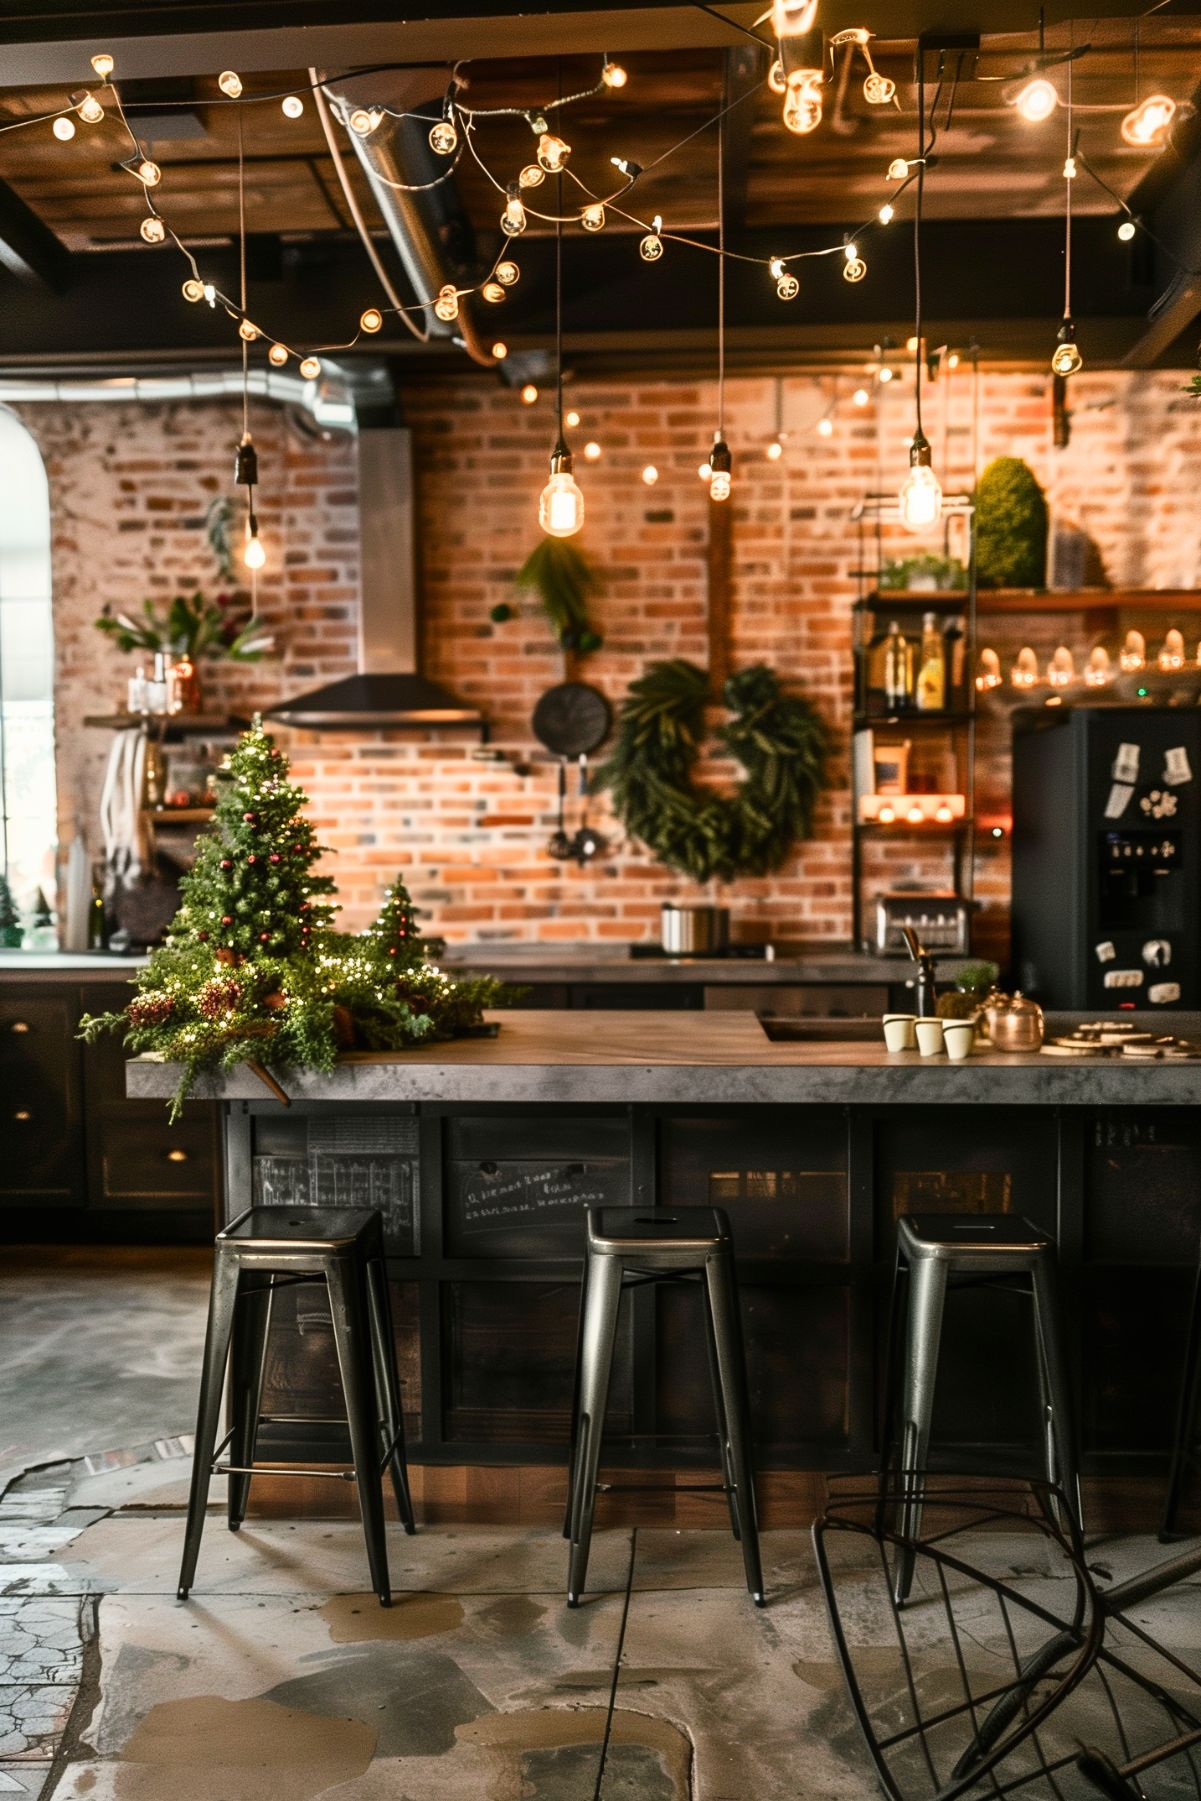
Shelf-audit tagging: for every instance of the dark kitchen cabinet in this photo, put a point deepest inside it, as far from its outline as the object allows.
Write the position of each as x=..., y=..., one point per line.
x=80, y=1161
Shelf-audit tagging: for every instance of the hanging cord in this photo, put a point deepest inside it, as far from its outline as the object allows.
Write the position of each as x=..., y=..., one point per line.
x=560, y=445
x=721, y=275
x=917, y=242
x=1067, y=207
x=242, y=277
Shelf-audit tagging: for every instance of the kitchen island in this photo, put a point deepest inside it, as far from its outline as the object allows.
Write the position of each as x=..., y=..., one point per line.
x=482, y=1154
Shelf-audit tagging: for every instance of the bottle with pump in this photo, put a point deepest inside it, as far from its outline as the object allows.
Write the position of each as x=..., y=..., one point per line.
x=932, y=668
x=898, y=669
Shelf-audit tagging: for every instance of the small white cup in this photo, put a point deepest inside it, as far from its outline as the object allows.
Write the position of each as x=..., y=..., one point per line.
x=929, y=1037
x=899, y=1034
x=959, y=1036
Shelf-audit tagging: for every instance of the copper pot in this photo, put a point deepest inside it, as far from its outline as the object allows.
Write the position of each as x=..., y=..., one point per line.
x=1014, y=1022
x=697, y=931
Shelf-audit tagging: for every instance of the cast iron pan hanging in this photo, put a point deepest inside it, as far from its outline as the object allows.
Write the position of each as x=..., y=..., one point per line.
x=572, y=719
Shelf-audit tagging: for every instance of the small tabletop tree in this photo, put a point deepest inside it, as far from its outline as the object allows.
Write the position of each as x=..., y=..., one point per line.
x=11, y=930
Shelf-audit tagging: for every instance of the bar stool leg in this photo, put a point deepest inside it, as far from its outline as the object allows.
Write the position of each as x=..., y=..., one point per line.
x=383, y=1342
x=598, y=1338
x=223, y=1298
x=247, y=1361
x=927, y=1298
x=1186, y=1419
x=1062, y=1469
x=719, y=1408
x=575, y=1397
x=348, y=1311
x=722, y=1289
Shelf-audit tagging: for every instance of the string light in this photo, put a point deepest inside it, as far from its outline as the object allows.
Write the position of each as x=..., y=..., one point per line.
x=193, y=289
x=102, y=62
x=230, y=82
x=803, y=102
x=507, y=274
x=529, y=393
x=898, y=169
x=886, y=213
x=774, y=451
x=152, y=229
x=854, y=268
x=705, y=472
x=63, y=129
x=777, y=81
x=371, y=319
x=920, y=496
x=512, y=220
x=1126, y=230
x=278, y=355
x=593, y=217
x=531, y=176
x=90, y=109
x=552, y=152
x=613, y=75
x=148, y=173
x=310, y=367
x=500, y=350
x=291, y=106
x=650, y=475
x=787, y=285
x=444, y=138
x=1146, y=125
x=247, y=331
x=860, y=397
x=792, y=18
x=363, y=121
x=825, y=426
x=1036, y=100
x=651, y=247
x=573, y=419
x=446, y=306
x=491, y=291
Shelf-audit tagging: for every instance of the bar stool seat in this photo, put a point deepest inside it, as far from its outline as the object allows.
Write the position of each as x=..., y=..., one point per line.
x=933, y=1248
x=626, y=1247
x=263, y=1250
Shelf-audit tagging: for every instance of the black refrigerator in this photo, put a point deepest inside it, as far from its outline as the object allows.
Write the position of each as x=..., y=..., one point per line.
x=1106, y=854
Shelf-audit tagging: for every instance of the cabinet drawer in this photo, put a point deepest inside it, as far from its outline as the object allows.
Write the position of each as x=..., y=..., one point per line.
x=144, y=1162
x=39, y=1099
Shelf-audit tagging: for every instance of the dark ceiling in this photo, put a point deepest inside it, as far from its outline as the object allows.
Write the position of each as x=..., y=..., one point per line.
x=80, y=287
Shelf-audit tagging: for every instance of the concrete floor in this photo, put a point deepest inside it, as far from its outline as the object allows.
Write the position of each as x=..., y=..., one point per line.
x=281, y=1677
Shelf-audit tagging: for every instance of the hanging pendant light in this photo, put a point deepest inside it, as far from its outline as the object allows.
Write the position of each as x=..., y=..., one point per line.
x=719, y=456
x=920, y=497
x=561, y=503
x=1066, y=358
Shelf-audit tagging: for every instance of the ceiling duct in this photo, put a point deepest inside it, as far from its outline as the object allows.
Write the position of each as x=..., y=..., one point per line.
x=429, y=227
x=389, y=692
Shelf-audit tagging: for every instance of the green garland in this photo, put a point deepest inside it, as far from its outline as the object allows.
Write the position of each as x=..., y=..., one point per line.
x=778, y=738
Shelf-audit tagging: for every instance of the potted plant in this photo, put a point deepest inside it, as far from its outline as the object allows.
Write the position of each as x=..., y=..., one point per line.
x=11, y=929
x=973, y=984
x=565, y=582
x=191, y=628
x=924, y=574
x=1011, y=526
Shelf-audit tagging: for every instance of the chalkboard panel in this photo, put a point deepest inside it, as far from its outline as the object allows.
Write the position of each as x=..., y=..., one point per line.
x=349, y=1162
x=783, y=1181
x=520, y=1188
x=1156, y=1156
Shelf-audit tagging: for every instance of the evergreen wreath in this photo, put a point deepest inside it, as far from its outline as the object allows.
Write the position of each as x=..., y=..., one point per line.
x=252, y=971
x=779, y=739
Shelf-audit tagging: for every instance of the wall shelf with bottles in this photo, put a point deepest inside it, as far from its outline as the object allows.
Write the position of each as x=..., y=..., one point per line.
x=1032, y=600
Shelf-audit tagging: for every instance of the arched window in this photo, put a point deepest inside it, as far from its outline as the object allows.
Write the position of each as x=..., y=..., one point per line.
x=28, y=808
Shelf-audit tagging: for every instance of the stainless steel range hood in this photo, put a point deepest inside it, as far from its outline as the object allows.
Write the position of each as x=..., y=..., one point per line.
x=389, y=692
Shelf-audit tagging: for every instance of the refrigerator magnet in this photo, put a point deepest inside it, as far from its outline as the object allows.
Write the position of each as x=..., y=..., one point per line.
x=1161, y=994
x=1106, y=952
x=1125, y=764
x=1123, y=978
x=1119, y=800
x=1157, y=952
x=1176, y=768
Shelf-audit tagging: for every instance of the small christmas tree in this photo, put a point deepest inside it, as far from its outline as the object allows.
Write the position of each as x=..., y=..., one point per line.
x=11, y=930
x=251, y=971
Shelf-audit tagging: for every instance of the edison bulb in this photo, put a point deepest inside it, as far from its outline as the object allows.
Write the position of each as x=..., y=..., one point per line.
x=825, y=428
x=63, y=129
x=253, y=555
x=1061, y=670
x=920, y=498
x=719, y=465
x=990, y=671
x=1171, y=653
x=363, y=122
x=444, y=139
x=291, y=106
x=278, y=355
x=507, y=274
x=493, y=292
x=1024, y=673
x=614, y=76
x=854, y=269
x=774, y=451
x=650, y=475
x=1133, y=654
x=310, y=367
x=719, y=485
x=446, y=306
x=884, y=373
x=651, y=247
x=1037, y=100
x=792, y=18
x=193, y=289
x=500, y=350
x=529, y=393
x=1098, y=670
x=247, y=331
x=705, y=473
x=592, y=450
x=898, y=169
x=1067, y=358
x=593, y=217
x=90, y=110
x=148, y=172
x=1126, y=230
x=152, y=229
x=1146, y=125
x=230, y=82
x=803, y=101
x=561, y=505
x=886, y=213
x=787, y=286
x=777, y=81
x=860, y=397
x=552, y=152
x=573, y=419
x=370, y=319
x=878, y=89
x=531, y=176
x=512, y=220
x=102, y=62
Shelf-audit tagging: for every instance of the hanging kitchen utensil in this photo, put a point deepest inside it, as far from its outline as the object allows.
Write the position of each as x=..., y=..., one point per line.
x=588, y=842
x=560, y=846
x=572, y=719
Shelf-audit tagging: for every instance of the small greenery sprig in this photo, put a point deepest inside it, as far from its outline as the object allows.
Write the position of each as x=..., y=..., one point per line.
x=565, y=582
x=223, y=628
x=778, y=738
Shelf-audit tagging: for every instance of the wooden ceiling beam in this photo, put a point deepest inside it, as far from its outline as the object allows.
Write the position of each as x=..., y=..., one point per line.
x=28, y=248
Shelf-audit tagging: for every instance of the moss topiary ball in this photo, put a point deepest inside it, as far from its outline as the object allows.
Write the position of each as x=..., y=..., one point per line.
x=1011, y=526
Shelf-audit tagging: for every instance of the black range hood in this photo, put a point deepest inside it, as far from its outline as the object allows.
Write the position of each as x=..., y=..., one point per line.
x=389, y=692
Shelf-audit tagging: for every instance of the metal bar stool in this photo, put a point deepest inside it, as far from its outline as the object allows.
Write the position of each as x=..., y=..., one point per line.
x=1184, y=1446
x=931, y=1249
x=265, y=1249
x=627, y=1248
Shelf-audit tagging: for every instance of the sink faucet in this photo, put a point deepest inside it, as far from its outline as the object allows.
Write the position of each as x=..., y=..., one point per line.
x=927, y=987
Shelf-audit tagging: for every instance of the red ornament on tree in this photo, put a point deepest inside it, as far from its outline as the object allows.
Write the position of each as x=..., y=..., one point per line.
x=227, y=862
x=152, y=1009
x=227, y=919
x=275, y=857
x=221, y=995
x=252, y=858
x=251, y=818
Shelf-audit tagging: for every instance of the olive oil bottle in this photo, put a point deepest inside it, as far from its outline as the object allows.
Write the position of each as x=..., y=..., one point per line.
x=932, y=668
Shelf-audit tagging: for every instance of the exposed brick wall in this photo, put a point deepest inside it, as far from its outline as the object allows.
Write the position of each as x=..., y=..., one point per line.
x=129, y=487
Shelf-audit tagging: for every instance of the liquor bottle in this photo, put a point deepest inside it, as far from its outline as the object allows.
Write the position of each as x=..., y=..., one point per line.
x=932, y=668
x=898, y=669
x=97, y=922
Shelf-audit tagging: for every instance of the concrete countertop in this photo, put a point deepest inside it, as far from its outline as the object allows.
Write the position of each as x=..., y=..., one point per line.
x=697, y=1060
x=68, y=966
x=837, y=964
